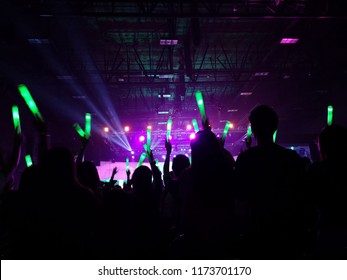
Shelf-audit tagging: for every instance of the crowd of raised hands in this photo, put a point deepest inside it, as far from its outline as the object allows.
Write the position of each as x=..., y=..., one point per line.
x=268, y=204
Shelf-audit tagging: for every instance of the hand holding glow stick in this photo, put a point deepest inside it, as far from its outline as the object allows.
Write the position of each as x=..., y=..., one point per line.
x=28, y=160
x=149, y=138
x=201, y=105
x=195, y=125
x=142, y=159
x=330, y=115
x=29, y=101
x=16, y=120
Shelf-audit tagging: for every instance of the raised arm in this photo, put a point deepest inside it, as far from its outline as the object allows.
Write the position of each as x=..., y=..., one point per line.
x=168, y=148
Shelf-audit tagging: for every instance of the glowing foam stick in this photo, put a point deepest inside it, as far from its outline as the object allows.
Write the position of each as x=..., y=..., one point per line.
x=149, y=138
x=226, y=128
x=16, y=120
x=142, y=159
x=274, y=136
x=168, y=129
x=145, y=147
x=156, y=162
x=127, y=164
x=29, y=101
x=249, y=132
x=330, y=115
x=88, y=125
x=200, y=102
x=79, y=130
x=28, y=160
x=195, y=125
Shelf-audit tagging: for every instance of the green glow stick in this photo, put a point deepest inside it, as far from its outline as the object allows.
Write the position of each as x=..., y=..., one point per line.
x=200, y=102
x=145, y=147
x=168, y=129
x=249, y=132
x=195, y=125
x=142, y=158
x=88, y=125
x=16, y=120
x=148, y=138
x=28, y=160
x=156, y=162
x=29, y=101
x=226, y=128
x=330, y=115
x=127, y=164
x=274, y=136
x=79, y=130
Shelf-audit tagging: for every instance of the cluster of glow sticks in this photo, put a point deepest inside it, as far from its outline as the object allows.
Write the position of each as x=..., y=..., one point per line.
x=87, y=129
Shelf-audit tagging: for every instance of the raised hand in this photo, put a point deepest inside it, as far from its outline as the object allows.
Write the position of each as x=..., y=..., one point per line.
x=168, y=147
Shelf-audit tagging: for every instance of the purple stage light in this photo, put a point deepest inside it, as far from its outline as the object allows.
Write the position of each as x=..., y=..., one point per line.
x=289, y=41
x=132, y=152
x=192, y=136
x=142, y=138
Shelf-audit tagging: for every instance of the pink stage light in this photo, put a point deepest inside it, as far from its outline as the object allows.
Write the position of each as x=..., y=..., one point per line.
x=106, y=129
x=189, y=127
x=142, y=138
x=126, y=128
x=192, y=136
x=289, y=41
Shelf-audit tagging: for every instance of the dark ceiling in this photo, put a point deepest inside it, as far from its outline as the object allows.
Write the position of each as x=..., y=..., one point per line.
x=105, y=57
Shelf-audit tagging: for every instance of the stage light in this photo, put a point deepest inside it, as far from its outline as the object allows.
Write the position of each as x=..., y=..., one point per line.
x=106, y=129
x=292, y=148
x=286, y=41
x=163, y=156
x=149, y=127
x=192, y=136
x=126, y=128
x=132, y=157
x=189, y=127
x=231, y=126
x=142, y=138
x=132, y=152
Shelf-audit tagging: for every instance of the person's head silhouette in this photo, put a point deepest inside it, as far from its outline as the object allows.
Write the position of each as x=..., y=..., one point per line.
x=331, y=142
x=264, y=122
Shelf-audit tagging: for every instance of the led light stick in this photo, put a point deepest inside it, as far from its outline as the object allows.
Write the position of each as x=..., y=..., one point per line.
x=274, y=136
x=127, y=164
x=200, y=102
x=142, y=158
x=28, y=160
x=156, y=162
x=330, y=115
x=29, y=101
x=148, y=138
x=79, y=130
x=249, y=133
x=168, y=129
x=88, y=125
x=16, y=120
x=195, y=125
x=226, y=128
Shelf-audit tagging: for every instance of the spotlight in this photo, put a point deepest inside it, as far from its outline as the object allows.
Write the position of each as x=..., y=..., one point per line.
x=189, y=127
x=192, y=136
x=142, y=138
x=132, y=152
x=231, y=125
x=149, y=127
x=106, y=129
x=126, y=128
x=163, y=156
